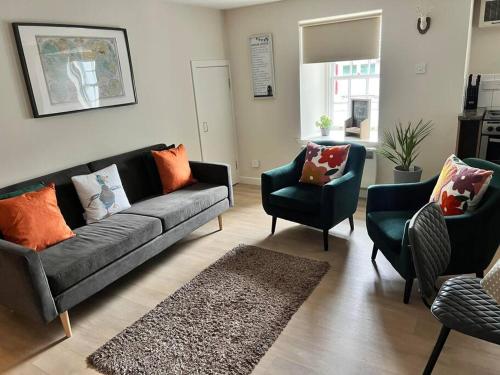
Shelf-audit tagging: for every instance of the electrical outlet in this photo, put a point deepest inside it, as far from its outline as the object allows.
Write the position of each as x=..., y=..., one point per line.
x=420, y=68
x=255, y=163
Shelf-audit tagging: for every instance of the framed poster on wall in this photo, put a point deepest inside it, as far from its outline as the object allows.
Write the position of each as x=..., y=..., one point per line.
x=71, y=68
x=262, y=65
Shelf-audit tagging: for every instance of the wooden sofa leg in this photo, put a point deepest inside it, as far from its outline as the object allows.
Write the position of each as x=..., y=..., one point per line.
x=220, y=221
x=273, y=225
x=66, y=324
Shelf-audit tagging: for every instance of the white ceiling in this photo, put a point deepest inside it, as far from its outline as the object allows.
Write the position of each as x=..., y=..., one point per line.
x=223, y=4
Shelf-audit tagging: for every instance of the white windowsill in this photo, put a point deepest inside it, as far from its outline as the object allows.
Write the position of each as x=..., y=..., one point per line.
x=339, y=136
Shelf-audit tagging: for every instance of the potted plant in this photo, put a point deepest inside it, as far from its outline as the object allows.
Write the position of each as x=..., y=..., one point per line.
x=325, y=124
x=401, y=147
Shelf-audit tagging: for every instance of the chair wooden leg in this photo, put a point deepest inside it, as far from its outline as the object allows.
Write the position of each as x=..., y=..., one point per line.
x=408, y=287
x=374, y=252
x=273, y=225
x=64, y=317
x=220, y=221
x=443, y=335
x=325, y=239
x=351, y=223
x=480, y=274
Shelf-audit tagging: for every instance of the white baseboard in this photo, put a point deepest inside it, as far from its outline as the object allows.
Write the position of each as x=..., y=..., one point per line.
x=250, y=180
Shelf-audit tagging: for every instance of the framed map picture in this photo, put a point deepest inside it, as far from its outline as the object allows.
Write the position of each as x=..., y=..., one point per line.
x=74, y=68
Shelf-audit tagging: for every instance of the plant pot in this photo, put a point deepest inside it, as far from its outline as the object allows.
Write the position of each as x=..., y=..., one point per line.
x=404, y=177
x=325, y=132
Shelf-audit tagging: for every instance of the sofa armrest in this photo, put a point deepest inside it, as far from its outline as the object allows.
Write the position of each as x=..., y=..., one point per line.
x=23, y=284
x=340, y=198
x=276, y=179
x=399, y=197
x=281, y=177
x=214, y=173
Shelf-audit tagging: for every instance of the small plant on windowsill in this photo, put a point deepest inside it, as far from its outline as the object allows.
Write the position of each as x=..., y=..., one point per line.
x=401, y=147
x=325, y=124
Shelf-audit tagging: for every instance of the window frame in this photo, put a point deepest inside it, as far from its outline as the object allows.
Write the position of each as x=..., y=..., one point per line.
x=331, y=78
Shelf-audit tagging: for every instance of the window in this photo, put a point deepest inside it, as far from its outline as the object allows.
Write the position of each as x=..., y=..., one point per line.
x=340, y=62
x=352, y=79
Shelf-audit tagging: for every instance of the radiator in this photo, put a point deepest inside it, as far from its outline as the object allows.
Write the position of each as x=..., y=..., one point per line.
x=370, y=171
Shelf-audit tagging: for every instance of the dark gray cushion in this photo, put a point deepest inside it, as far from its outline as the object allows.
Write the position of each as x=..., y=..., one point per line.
x=137, y=171
x=67, y=199
x=115, y=270
x=177, y=207
x=94, y=247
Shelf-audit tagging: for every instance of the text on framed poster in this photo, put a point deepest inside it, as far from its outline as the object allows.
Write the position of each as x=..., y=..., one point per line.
x=261, y=54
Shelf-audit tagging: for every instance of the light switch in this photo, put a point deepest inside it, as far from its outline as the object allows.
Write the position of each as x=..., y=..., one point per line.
x=420, y=68
x=255, y=163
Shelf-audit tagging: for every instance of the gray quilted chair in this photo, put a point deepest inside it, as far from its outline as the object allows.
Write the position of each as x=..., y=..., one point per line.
x=461, y=303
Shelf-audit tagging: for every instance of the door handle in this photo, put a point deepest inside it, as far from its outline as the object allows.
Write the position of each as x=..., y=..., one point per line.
x=495, y=140
x=204, y=125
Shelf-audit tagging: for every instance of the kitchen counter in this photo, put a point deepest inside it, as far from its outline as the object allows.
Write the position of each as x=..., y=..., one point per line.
x=472, y=114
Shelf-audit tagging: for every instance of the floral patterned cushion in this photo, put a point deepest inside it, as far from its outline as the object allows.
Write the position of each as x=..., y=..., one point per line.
x=460, y=187
x=324, y=163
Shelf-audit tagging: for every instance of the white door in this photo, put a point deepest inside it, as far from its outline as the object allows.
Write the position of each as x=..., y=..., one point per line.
x=214, y=106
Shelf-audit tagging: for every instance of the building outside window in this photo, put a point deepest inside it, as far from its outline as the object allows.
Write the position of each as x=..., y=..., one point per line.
x=352, y=80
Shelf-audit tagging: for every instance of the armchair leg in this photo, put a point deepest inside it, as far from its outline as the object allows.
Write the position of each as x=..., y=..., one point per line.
x=325, y=239
x=273, y=225
x=64, y=317
x=443, y=335
x=374, y=252
x=480, y=274
x=408, y=287
x=351, y=222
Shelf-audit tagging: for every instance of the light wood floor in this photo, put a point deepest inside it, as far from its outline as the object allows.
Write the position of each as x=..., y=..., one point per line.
x=353, y=323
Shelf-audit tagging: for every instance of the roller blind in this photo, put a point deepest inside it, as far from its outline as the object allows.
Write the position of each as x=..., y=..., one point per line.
x=345, y=40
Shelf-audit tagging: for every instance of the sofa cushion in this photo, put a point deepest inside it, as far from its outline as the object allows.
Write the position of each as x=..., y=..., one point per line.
x=94, y=247
x=137, y=171
x=324, y=163
x=67, y=199
x=304, y=198
x=101, y=193
x=176, y=207
x=386, y=228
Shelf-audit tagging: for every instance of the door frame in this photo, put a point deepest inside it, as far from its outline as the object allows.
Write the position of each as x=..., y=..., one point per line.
x=195, y=64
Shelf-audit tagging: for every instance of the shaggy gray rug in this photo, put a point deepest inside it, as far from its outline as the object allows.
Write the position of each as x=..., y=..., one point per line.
x=221, y=322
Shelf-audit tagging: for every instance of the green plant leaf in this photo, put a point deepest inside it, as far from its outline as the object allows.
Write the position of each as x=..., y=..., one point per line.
x=400, y=145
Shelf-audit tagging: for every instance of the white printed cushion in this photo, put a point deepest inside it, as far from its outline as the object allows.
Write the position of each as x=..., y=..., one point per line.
x=324, y=163
x=101, y=193
x=491, y=282
x=460, y=187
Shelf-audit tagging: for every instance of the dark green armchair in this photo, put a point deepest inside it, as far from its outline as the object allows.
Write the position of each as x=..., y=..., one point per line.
x=474, y=236
x=321, y=207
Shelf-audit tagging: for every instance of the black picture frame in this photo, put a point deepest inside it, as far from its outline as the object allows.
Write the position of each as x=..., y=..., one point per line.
x=28, y=80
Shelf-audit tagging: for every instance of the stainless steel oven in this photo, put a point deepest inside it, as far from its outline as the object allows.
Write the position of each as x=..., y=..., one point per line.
x=489, y=149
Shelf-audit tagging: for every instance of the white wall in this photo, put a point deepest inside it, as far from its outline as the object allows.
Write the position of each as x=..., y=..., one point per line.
x=163, y=39
x=485, y=54
x=313, y=103
x=269, y=129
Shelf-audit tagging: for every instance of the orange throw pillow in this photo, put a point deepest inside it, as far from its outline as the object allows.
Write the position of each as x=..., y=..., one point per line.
x=173, y=167
x=34, y=220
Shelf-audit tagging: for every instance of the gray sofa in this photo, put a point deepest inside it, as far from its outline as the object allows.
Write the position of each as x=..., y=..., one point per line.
x=47, y=284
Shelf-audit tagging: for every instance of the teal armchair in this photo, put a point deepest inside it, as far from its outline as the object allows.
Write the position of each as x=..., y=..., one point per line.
x=474, y=236
x=320, y=207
